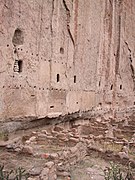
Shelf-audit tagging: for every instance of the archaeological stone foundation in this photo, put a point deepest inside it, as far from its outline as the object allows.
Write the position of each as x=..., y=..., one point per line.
x=58, y=57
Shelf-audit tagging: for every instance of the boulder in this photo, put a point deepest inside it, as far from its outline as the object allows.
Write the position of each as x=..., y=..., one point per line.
x=49, y=164
x=35, y=171
x=27, y=150
x=44, y=174
x=123, y=155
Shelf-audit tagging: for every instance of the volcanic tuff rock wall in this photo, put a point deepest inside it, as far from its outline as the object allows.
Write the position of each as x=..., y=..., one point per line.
x=60, y=56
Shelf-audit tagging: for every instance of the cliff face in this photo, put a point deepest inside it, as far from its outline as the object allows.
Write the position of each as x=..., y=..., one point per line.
x=116, y=59
x=62, y=56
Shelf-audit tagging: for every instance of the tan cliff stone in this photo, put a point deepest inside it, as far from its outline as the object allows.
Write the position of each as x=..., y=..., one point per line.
x=62, y=56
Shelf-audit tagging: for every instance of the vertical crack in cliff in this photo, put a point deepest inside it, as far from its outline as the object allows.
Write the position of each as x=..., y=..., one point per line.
x=51, y=24
x=40, y=26
x=118, y=46
x=68, y=21
x=108, y=27
x=111, y=2
x=131, y=65
x=19, y=8
x=117, y=20
x=76, y=20
x=108, y=18
x=38, y=47
x=51, y=29
x=118, y=31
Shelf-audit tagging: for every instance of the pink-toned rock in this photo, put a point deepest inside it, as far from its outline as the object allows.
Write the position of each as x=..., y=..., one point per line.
x=63, y=174
x=45, y=155
x=44, y=131
x=33, y=178
x=76, y=136
x=123, y=155
x=65, y=154
x=49, y=164
x=27, y=150
x=73, y=150
x=58, y=128
x=54, y=133
x=125, y=149
x=50, y=137
x=27, y=142
x=33, y=138
x=34, y=133
x=54, y=156
x=74, y=140
x=44, y=174
x=3, y=143
x=61, y=136
x=42, y=135
x=74, y=130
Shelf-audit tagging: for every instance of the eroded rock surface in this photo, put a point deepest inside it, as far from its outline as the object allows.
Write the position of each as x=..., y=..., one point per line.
x=62, y=56
x=69, y=64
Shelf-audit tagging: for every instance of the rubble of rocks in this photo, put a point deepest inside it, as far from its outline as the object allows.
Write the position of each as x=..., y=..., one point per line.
x=63, y=146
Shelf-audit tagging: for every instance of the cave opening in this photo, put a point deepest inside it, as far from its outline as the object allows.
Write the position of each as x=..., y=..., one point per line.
x=18, y=38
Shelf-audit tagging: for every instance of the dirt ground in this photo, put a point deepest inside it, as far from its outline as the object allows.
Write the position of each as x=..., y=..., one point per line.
x=67, y=148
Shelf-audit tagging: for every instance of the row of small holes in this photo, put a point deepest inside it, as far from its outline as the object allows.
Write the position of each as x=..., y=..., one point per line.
x=34, y=88
x=61, y=49
x=50, y=89
x=51, y=107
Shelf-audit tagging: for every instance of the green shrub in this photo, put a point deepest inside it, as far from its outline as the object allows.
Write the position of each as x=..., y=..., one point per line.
x=114, y=172
x=17, y=174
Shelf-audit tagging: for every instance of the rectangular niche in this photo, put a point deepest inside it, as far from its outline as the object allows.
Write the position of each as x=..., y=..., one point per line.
x=18, y=66
x=58, y=77
x=74, y=79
